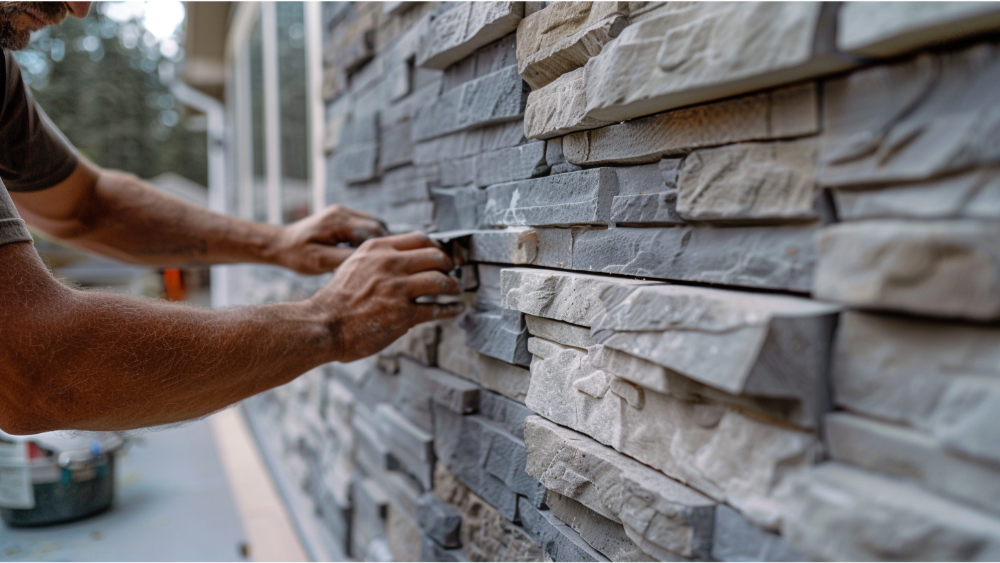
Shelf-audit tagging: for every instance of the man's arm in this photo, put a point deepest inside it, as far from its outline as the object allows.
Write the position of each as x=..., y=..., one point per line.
x=97, y=361
x=120, y=216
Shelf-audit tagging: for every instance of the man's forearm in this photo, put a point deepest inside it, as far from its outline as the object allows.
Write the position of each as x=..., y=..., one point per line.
x=126, y=218
x=98, y=361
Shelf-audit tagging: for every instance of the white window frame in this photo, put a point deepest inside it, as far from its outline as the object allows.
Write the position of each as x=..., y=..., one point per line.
x=245, y=18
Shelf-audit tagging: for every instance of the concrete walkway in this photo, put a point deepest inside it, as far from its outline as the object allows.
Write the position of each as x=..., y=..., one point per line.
x=174, y=502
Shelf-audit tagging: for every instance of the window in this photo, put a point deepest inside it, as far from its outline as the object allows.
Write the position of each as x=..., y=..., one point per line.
x=275, y=93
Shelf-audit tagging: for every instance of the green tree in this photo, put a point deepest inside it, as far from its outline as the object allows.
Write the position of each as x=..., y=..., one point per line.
x=103, y=82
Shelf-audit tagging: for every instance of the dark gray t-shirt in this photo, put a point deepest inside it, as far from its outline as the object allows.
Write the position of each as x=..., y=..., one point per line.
x=33, y=154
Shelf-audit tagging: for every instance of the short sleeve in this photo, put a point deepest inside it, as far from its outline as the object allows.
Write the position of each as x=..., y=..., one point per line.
x=33, y=153
x=12, y=228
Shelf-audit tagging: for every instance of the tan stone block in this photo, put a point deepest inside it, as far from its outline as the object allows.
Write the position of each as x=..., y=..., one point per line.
x=777, y=114
x=564, y=36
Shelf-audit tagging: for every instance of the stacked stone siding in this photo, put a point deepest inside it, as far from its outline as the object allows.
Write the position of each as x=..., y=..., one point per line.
x=732, y=277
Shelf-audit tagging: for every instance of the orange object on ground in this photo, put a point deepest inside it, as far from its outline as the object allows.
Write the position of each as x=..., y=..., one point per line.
x=173, y=284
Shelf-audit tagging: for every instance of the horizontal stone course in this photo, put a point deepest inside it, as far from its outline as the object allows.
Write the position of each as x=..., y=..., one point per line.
x=940, y=378
x=940, y=268
x=564, y=199
x=911, y=455
x=725, y=454
x=659, y=514
x=690, y=54
x=557, y=540
x=840, y=513
x=873, y=30
x=458, y=32
x=604, y=535
x=564, y=36
x=777, y=114
x=494, y=98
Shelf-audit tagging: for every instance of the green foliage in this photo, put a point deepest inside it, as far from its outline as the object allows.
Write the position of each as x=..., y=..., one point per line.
x=102, y=82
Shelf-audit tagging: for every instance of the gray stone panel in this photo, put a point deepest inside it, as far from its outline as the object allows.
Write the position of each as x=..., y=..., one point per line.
x=690, y=54
x=778, y=114
x=604, y=535
x=841, y=513
x=941, y=268
x=915, y=120
x=914, y=456
x=495, y=98
x=440, y=521
x=940, y=378
x=507, y=165
x=663, y=517
x=895, y=28
x=559, y=541
x=458, y=32
x=722, y=452
x=582, y=197
x=762, y=257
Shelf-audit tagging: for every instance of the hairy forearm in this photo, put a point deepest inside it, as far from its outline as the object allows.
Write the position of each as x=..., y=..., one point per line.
x=128, y=219
x=99, y=361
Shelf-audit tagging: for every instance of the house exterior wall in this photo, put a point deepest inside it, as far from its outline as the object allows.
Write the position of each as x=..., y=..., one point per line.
x=732, y=278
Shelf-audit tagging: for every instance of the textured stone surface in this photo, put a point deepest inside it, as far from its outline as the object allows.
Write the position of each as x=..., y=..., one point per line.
x=371, y=506
x=407, y=443
x=741, y=343
x=919, y=119
x=941, y=378
x=488, y=459
x=735, y=539
x=457, y=208
x=403, y=535
x=559, y=107
x=750, y=182
x=943, y=268
x=604, y=535
x=559, y=332
x=723, y=453
x=647, y=195
x=496, y=375
x=555, y=159
x=458, y=32
x=430, y=550
x=439, y=520
x=564, y=199
x=486, y=535
x=494, y=98
x=497, y=333
x=564, y=36
x=841, y=513
x=563, y=296
x=514, y=163
x=659, y=514
x=455, y=393
x=765, y=257
x=894, y=28
x=777, y=114
x=694, y=53
x=508, y=414
x=974, y=194
x=911, y=455
x=559, y=541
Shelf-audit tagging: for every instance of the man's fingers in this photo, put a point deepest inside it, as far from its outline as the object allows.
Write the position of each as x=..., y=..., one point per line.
x=359, y=229
x=327, y=258
x=422, y=259
x=431, y=283
x=437, y=311
x=409, y=241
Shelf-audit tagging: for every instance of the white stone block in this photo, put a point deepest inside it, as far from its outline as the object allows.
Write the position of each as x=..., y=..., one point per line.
x=893, y=28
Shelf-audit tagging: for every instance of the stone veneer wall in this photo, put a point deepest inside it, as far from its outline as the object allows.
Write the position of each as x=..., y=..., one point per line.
x=732, y=273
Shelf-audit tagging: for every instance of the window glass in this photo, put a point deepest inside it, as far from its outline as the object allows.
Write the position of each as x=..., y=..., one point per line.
x=293, y=101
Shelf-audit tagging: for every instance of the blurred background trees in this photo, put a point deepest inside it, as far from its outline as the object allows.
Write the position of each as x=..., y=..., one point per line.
x=104, y=80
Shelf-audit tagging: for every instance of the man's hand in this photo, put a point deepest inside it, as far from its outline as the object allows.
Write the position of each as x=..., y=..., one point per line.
x=309, y=246
x=371, y=299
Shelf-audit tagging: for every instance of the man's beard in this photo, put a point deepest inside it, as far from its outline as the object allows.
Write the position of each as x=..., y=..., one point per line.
x=16, y=25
